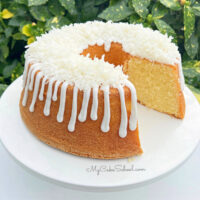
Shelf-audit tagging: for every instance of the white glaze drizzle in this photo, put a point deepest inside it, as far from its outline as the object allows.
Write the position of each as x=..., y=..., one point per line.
x=123, y=124
x=25, y=97
x=54, y=98
x=35, y=92
x=41, y=95
x=32, y=77
x=48, y=98
x=26, y=66
x=133, y=116
x=83, y=113
x=61, y=110
x=72, y=122
x=86, y=96
x=107, y=46
x=93, y=114
x=100, y=42
x=106, y=118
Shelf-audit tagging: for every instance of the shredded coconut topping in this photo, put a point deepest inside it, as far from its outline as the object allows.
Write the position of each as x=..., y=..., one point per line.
x=58, y=51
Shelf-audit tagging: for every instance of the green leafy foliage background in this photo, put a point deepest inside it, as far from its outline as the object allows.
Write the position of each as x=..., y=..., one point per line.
x=21, y=21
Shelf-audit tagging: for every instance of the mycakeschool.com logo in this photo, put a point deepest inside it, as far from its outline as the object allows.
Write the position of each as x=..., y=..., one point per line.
x=99, y=169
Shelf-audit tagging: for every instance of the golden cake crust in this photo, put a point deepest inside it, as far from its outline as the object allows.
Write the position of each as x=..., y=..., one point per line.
x=87, y=140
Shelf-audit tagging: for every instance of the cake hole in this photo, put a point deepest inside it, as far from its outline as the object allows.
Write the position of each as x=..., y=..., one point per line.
x=116, y=55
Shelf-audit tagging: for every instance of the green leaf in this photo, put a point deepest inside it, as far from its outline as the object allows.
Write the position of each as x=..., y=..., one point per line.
x=13, y=44
x=198, y=26
x=172, y=4
x=18, y=70
x=2, y=66
x=2, y=88
x=189, y=22
x=3, y=40
x=17, y=21
x=99, y=2
x=159, y=11
x=88, y=11
x=19, y=36
x=112, y=2
x=4, y=51
x=190, y=73
x=191, y=46
x=191, y=64
x=40, y=13
x=36, y=2
x=1, y=29
x=196, y=9
x=57, y=22
x=141, y=7
x=33, y=30
x=191, y=70
x=164, y=28
x=195, y=91
x=116, y=12
x=2, y=80
x=25, y=2
x=69, y=5
x=55, y=8
x=192, y=2
x=7, y=71
x=135, y=19
x=19, y=10
x=8, y=31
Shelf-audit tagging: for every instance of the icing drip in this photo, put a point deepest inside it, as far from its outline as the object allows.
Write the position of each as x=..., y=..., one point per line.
x=133, y=117
x=62, y=102
x=35, y=92
x=100, y=42
x=26, y=69
x=32, y=78
x=107, y=46
x=48, y=98
x=86, y=96
x=93, y=114
x=41, y=95
x=29, y=80
x=72, y=122
x=83, y=113
x=123, y=124
x=24, y=101
x=106, y=118
x=54, y=98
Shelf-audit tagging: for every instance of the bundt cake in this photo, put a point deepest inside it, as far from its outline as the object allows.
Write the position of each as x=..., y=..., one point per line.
x=80, y=84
